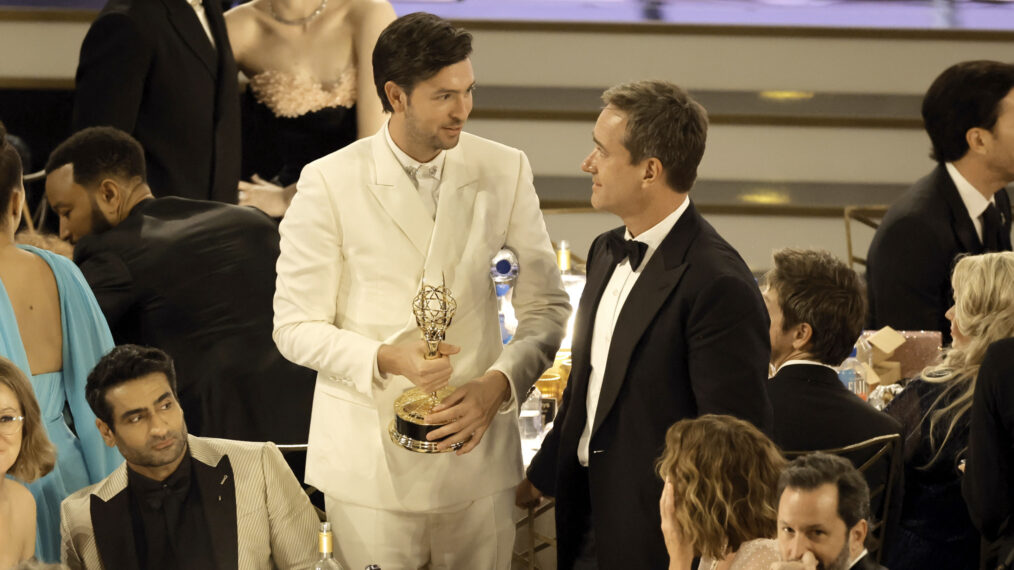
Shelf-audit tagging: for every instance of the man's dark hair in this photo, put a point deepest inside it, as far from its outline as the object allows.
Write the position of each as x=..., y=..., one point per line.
x=123, y=364
x=966, y=95
x=414, y=48
x=812, y=470
x=98, y=153
x=663, y=122
x=10, y=172
x=816, y=288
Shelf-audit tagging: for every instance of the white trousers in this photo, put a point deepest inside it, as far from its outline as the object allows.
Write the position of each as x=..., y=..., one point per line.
x=477, y=535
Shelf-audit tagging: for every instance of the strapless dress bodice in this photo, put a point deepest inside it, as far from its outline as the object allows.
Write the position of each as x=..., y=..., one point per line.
x=292, y=95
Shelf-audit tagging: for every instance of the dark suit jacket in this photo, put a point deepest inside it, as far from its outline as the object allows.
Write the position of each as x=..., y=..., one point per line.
x=196, y=279
x=988, y=484
x=692, y=338
x=909, y=263
x=867, y=563
x=147, y=68
x=814, y=411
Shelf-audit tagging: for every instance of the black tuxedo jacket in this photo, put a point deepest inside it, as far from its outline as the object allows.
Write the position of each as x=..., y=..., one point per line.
x=147, y=68
x=909, y=263
x=691, y=339
x=867, y=563
x=988, y=484
x=814, y=411
x=196, y=279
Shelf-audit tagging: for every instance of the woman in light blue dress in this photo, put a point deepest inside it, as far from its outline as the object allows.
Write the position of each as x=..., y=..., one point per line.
x=52, y=328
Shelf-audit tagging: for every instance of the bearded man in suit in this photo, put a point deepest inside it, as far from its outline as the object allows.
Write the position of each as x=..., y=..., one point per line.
x=671, y=325
x=179, y=501
x=420, y=202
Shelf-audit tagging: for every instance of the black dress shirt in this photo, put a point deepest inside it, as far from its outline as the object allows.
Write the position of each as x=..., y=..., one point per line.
x=170, y=529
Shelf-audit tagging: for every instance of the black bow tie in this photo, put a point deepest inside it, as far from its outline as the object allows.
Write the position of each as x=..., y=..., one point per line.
x=624, y=248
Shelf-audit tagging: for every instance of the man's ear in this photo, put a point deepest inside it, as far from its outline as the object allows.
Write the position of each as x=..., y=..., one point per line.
x=801, y=336
x=108, y=195
x=106, y=431
x=397, y=96
x=652, y=171
x=857, y=538
x=976, y=137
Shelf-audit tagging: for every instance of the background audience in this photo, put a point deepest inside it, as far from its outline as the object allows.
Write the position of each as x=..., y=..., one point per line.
x=52, y=329
x=935, y=529
x=988, y=484
x=192, y=277
x=718, y=502
x=310, y=86
x=25, y=454
x=958, y=208
x=817, y=306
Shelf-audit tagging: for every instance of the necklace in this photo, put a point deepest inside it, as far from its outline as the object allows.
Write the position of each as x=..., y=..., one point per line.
x=298, y=21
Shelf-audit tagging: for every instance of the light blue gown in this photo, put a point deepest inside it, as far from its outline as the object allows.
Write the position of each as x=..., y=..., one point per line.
x=84, y=458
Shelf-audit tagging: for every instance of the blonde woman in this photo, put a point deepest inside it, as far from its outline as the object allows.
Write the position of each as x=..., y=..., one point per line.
x=25, y=454
x=719, y=500
x=310, y=92
x=935, y=529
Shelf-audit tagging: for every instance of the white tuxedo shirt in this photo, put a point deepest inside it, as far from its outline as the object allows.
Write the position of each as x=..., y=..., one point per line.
x=356, y=244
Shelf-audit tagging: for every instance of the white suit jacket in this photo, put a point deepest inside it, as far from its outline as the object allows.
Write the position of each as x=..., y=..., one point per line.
x=257, y=513
x=356, y=244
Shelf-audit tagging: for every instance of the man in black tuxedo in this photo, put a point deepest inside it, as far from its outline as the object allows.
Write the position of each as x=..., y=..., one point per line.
x=194, y=278
x=817, y=306
x=163, y=71
x=988, y=485
x=960, y=207
x=823, y=516
x=671, y=325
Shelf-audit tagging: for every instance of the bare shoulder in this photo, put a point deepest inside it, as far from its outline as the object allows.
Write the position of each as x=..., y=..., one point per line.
x=243, y=25
x=369, y=13
x=22, y=501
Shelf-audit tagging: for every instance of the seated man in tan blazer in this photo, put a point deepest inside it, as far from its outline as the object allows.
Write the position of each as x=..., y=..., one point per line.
x=179, y=501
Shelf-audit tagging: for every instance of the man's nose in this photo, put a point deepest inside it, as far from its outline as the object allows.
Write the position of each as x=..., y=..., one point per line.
x=64, y=229
x=798, y=546
x=586, y=164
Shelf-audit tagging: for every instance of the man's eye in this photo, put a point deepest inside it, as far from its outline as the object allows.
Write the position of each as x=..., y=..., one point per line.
x=134, y=419
x=167, y=405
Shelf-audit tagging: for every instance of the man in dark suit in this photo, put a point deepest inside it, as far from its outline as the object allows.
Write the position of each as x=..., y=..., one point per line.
x=817, y=306
x=670, y=328
x=960, y=207
x=194, y=278
x=988, y=485
x=163, y=71
x=823, y=516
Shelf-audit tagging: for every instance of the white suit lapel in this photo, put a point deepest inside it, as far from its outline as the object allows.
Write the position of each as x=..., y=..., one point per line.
x=454, y=218
x=398, y=196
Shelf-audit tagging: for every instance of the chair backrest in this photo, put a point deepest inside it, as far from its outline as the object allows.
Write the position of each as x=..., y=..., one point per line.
x=879, y=459
x=868, y=216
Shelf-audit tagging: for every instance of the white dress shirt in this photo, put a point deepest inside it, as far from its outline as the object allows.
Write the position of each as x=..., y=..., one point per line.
x=202, y=16
x=974, y=201
x=803, y=361
x=425, y=175
x=610, y=305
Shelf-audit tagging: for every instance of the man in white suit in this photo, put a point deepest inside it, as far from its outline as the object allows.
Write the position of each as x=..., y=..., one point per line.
x=179, y=501
x=420, y=201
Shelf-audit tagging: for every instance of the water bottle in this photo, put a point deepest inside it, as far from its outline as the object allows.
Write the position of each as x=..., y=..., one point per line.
x=504, y=271
x=530, y=421
x=325, y=545
x=853, y=375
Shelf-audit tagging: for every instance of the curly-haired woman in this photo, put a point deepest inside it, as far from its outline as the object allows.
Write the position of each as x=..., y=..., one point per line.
x=719, y=501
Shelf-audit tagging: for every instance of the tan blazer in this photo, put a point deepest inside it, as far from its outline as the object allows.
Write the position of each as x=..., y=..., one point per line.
x=258, y=514
x=356, y=244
